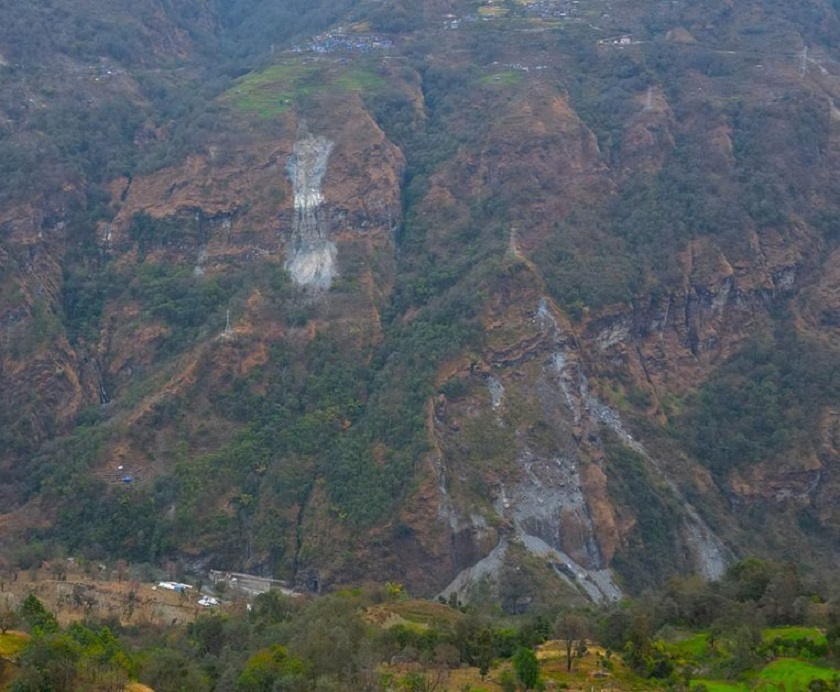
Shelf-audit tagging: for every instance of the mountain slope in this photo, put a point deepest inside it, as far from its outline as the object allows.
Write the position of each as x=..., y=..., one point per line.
x=418, y=297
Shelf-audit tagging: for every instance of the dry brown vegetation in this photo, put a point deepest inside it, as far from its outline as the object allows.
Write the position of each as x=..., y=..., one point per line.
x=75, y=594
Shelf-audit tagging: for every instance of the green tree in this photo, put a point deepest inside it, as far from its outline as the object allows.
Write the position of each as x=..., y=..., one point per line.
x=36, y=616
x=748, y=579
x=49, y=662
x=527, y=667
x=272, y=607
x=75, y=659
x=745, y=643
x=483, y=651
x=638, y=648
x=268, y=668
x=168, y=670
x=208, y=633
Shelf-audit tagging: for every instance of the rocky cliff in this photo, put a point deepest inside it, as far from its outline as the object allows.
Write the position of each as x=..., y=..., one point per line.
x=509, y=299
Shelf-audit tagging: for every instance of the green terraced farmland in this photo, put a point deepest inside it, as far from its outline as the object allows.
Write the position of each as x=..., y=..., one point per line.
x=718, y=686
x=275, y=90
x=691, y=644
x=793, y=633
x=794, y=674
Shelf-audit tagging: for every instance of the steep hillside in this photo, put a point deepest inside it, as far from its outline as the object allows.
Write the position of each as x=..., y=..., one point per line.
x=542, y=292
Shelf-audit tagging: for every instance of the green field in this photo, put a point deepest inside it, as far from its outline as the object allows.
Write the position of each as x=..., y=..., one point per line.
x=693, y=644
x=505, y=78
x=793, y=633
x=794, y=674
x=273, y=91
x=782, y=674
x=718, y=686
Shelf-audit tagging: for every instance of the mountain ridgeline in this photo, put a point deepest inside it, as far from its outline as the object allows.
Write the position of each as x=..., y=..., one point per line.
x=535, y=297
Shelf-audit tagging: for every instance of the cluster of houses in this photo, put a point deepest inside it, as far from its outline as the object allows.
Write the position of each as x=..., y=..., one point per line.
x=248, y=584
x=174, y=586
x=625, y=40
x=536, y=9
x=524, y=68
x=551, y=9
x=178, y=587
x=340, y=41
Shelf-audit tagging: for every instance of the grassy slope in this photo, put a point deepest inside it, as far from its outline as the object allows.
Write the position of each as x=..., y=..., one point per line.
x=272, y=92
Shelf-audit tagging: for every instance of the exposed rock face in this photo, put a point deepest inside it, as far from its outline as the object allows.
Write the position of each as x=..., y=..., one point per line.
x=312, y=257
x=555, y=500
